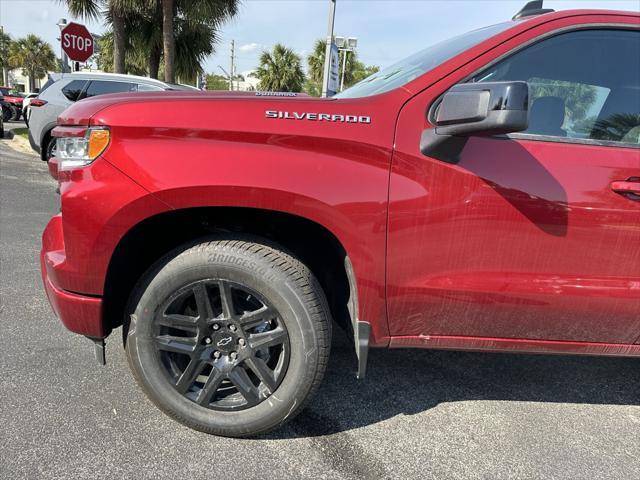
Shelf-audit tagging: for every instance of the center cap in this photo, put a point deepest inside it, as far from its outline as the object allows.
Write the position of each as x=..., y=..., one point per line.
x=225, y=341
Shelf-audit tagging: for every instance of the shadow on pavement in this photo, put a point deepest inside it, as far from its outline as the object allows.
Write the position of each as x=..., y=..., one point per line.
x=406, y=382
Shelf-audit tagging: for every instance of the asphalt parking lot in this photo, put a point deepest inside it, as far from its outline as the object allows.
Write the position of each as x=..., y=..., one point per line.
x=418, y=414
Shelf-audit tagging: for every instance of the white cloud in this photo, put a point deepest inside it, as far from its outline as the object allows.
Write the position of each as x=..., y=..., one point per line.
x=249, y=47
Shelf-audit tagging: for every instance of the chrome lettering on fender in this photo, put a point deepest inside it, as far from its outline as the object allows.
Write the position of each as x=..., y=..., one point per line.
x=319, y=117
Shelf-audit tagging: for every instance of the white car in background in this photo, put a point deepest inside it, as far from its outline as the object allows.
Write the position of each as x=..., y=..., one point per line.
x=25, y=106
x=64, y=89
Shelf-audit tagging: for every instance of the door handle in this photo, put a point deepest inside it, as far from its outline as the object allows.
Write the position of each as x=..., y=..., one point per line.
x=630, y=188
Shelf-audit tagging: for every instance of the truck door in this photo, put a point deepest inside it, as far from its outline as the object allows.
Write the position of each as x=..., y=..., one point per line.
x=533, y=235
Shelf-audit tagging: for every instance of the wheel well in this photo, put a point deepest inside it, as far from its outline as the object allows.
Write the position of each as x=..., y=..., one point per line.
x=313, y=244
x=44, y=143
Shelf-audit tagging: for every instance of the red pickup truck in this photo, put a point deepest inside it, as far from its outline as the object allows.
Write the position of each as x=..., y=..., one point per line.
x=483, y=194
x=12, y=107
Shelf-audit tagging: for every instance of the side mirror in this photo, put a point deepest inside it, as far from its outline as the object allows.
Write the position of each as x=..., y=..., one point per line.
x=467, y=109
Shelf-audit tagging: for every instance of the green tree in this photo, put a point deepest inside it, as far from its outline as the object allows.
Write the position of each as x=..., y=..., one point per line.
x=5, y=42
x=362, y=71
x=135, y=62
x=280, y=70
x=217, y=82
x=618, y=126
x=34, y=55
x=315, y=61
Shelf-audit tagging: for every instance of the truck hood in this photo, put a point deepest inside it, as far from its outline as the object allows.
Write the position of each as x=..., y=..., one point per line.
x=82, y=112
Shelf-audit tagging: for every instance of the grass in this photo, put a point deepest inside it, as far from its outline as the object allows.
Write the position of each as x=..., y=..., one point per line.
x=23, y=132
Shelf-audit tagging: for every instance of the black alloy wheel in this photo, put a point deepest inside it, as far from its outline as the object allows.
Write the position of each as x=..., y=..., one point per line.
x=221, y=344
x=229, y=335
x=51, y=150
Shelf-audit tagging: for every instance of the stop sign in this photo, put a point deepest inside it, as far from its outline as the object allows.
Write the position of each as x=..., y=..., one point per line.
x=77, y=42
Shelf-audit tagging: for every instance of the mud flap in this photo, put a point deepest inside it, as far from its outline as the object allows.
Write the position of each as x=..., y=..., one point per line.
x=361, y=337
x=99, y=350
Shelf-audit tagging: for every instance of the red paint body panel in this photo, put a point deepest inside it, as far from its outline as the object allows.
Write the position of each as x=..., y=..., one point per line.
x=437, y=249
x=79, y=313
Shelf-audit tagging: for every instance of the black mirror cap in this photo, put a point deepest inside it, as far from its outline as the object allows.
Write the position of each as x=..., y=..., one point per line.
x=489, y=108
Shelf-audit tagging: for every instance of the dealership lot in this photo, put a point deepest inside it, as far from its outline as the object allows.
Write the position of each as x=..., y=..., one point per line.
x=418, y=414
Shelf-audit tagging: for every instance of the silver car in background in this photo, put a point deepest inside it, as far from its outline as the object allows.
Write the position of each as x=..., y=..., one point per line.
x=64, y=89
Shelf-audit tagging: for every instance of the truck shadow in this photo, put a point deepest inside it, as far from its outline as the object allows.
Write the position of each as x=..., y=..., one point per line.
x=407, y=382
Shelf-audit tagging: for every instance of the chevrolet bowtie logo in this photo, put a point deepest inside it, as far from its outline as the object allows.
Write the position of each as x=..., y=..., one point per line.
x=224, y=341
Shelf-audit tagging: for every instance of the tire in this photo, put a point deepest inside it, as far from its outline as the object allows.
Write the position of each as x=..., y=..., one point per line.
x=271, y=293
x=49, y=149
x=15, y=113
x=6, y=113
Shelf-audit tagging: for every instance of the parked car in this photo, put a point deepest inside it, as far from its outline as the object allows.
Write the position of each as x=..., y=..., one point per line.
x=63, y=90
x=442, y=203
x=26, y=110
x=13, y=103
x=2, y=117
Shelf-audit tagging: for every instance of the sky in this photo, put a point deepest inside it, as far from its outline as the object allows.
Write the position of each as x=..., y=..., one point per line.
x=387, y=30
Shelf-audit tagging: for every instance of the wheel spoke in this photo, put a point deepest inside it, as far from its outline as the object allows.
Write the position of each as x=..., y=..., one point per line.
x=242, y=382
x=273, y=337
x=169, y=343
x=210, y=387
x=189, y=375
x=262, y=371
x=203, y=302
x=181, y=322
x=226, y=300
x=251, y=319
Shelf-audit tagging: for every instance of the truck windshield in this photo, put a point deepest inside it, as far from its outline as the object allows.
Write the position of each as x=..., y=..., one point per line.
x=419, y=63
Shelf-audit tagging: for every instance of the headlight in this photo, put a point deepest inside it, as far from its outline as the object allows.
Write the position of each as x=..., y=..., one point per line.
x=77, y=147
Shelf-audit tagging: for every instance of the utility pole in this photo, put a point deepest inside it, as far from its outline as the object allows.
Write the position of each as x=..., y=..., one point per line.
x=344, y=67
x=63, y=56
x=233, y=65
x=345, y=45
x=327, y=53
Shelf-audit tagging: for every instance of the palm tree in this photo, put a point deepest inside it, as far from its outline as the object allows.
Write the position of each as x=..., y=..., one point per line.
x=280, y=70
x=168, y=40
x=34, y=55
x=315, y=61
x=5, y=41
x=204, y=13
x=135, y=59
x=617, y=127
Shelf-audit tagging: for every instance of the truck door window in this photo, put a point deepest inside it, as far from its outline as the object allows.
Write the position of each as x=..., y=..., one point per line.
x=583, y=84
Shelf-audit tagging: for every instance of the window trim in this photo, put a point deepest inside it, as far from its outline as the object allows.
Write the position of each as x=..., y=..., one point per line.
x=431, y=111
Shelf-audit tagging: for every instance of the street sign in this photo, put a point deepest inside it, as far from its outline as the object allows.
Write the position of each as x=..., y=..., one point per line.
x=334, y=71
x=77, y=42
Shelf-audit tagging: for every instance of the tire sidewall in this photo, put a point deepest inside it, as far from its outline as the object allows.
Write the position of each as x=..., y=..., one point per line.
x=259, y=275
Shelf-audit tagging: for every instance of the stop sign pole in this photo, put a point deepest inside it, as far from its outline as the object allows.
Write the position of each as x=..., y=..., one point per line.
x=77, y=42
